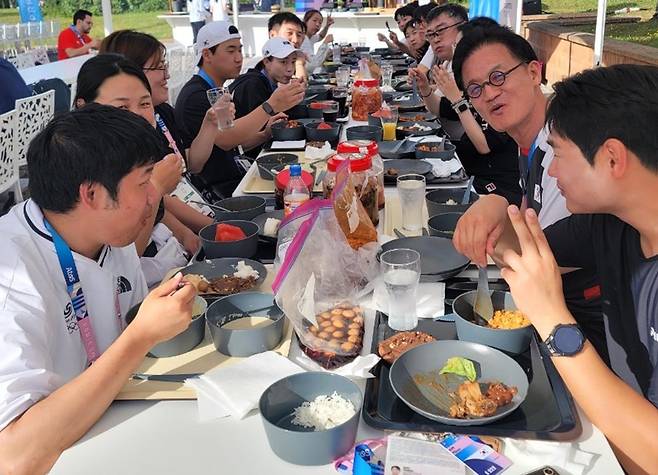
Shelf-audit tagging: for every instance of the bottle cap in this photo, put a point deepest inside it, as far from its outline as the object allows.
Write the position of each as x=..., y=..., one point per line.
x=295, y=170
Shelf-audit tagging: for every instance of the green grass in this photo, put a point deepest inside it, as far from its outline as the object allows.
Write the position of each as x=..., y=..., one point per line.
x=644, y=33
x=581, y=6
x=148, y=22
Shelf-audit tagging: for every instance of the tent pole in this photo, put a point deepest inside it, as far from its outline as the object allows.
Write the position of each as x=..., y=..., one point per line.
x=236, y=12
x=599, y=36
x=517, y=17
x=106, y=8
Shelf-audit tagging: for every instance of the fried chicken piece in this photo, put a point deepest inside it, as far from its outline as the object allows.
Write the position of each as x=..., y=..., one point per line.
x=471, y=402
x=501, y=394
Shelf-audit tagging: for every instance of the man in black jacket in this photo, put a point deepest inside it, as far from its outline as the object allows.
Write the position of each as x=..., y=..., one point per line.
x=255, y=86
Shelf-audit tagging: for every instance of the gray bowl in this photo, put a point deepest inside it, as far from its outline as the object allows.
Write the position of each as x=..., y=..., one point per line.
x=281, y=131
x=513, y=341
x=329, y=135
x=446, y=152
x=272, y=163
x=365, y=132
x=322, y=92
x=242, y=208
x=246, y=247
x=436, y=200
x=185, y=340
x=374, y=121
x=444, y=224
x=298, y=444
x=250, y=341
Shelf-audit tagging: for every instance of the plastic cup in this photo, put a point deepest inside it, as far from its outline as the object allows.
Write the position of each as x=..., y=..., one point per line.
x=220, y=100
x=401, y=272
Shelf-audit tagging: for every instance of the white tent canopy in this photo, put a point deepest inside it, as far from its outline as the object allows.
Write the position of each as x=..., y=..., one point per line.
x=599, y=36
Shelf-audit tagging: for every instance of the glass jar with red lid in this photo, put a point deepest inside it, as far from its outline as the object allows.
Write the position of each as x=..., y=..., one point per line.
x=365, y=182
x=366, y=98
x=370, y=148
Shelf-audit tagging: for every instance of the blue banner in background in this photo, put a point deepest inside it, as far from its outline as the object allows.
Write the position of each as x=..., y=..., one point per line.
x=488, y=8
x=30, y=10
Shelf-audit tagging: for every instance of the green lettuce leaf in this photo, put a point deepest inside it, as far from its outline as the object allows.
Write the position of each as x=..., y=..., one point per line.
x=460, y=366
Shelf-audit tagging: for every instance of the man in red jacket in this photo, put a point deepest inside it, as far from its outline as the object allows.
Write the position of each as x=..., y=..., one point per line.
x=75, y=40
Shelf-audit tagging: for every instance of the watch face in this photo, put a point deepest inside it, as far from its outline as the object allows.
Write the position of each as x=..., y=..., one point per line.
x=568, y=339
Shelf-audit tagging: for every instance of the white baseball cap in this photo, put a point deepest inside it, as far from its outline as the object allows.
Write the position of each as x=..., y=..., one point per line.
x=214, y=33
x=278, y=47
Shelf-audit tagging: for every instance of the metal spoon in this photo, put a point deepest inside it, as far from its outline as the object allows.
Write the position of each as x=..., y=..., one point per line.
x=398, y=233
x=215, y=207
x=483, y=306
x=399, y=146
x=467, y=194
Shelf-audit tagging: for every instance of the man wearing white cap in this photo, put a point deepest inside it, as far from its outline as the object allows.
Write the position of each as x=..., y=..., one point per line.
x=255, y=87
x=219, y=57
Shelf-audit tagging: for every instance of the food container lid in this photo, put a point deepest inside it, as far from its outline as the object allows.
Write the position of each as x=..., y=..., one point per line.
x=368, y=147
x=366, y=82
x=282, y=178
x=358, y=162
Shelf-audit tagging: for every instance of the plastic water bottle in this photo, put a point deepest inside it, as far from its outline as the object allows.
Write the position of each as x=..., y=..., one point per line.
x=296, y=192
x=336, y=53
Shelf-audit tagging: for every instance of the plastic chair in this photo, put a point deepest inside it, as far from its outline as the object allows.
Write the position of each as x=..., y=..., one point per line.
x=25, y=60
x=32, y=115
x=9, y=177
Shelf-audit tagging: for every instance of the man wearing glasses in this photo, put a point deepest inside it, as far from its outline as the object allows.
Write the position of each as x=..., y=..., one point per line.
x=501, y=76
x=442, y=33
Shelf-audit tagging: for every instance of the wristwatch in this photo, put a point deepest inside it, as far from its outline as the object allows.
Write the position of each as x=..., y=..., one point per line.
x=565, y=340
x=461, y=105
x=268, y=108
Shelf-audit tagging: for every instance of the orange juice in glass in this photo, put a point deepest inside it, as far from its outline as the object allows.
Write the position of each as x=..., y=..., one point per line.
x=389, y=122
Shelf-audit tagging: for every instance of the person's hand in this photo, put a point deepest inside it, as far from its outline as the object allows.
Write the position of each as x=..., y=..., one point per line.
x=211, y=119
x=330, y=21
x=165, y=312
x=288, y=95
x=273, y=120
x=534, y=276
x=445, y=81
x=479, y=229
x=422, y=83
x=329, y=38
x=394, y=37
x=381, y=37
x=94, y=44
x=167, y=173
x=190, y=241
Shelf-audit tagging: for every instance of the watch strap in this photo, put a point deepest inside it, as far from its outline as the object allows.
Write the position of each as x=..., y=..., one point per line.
x=268, y=108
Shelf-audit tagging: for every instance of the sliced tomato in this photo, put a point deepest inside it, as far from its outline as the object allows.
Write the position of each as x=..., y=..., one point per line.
x=324, y=126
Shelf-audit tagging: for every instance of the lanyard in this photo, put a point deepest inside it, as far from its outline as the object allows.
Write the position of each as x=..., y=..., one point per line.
x=77, y=33
x=170, y=139
x=211, y=82
x=77, y=296
x=531, y=156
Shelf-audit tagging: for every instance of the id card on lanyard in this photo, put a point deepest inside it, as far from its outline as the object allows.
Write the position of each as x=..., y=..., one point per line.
x=525, y=178
x=76, y=294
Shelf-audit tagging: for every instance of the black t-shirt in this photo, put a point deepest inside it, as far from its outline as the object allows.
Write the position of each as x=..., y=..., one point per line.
x=629, y=291
x=249, y=91
x=220, y=172
x=497, y=171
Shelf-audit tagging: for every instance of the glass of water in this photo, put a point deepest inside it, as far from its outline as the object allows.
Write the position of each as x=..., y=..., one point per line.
x=220, y=100
x=401, y=272
x=411, y=190
x=387, y=76
x=343, y=76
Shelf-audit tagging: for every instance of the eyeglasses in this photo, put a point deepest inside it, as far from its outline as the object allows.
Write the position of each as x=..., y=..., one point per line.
x=496, y=78
x=164, y=66
x=439, y=32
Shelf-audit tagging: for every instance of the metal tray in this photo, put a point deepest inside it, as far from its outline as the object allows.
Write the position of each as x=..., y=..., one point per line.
x=548, y=412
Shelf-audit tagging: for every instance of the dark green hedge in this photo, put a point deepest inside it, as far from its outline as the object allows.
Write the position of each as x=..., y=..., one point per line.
x=68, y=7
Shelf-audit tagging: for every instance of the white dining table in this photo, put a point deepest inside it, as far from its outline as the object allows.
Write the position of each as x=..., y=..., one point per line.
x=166, y=437
x=66, y=70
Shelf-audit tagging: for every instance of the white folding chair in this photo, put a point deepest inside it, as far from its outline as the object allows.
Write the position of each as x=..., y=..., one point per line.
x=9, y=177
x=25, y=60
x=32, y=115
